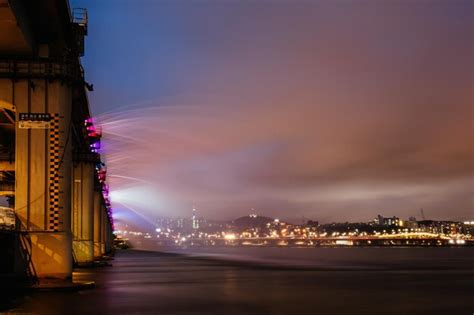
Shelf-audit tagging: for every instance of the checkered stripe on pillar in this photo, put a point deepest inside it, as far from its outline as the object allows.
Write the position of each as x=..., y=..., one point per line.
x=54, y=165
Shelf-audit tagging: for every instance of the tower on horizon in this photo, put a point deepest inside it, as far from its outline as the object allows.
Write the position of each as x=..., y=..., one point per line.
x=195, y=219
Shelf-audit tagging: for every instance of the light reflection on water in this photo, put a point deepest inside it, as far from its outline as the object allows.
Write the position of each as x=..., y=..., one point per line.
x=459, y=258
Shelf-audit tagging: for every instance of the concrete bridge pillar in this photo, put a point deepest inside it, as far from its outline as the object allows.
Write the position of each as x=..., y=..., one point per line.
x=108, y=235
x=98, y=201
x=83, y=212
x=103, y=232
x=43, y=172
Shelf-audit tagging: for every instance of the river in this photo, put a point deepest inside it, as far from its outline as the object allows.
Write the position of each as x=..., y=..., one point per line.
x=286, y=281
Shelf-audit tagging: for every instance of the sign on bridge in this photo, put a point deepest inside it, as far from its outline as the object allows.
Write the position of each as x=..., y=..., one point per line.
x=34, y=121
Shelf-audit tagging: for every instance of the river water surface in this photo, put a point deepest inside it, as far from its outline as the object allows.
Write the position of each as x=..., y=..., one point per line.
x=270, y=281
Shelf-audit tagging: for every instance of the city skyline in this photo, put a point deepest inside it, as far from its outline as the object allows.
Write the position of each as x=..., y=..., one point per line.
x=195, y=215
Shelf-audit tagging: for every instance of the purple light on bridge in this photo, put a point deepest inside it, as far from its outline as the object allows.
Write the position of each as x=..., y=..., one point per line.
x=95, y=146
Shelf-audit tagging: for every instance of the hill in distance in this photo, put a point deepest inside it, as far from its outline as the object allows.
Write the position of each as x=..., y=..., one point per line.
x=252, y=220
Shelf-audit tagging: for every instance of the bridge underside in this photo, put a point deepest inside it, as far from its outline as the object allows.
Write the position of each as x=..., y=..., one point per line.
x=14, y=38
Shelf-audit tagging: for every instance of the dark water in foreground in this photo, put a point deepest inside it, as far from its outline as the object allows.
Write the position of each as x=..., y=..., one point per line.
x=421, y=282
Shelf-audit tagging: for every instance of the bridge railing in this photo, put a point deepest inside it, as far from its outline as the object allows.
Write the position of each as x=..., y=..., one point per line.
x=62, y=70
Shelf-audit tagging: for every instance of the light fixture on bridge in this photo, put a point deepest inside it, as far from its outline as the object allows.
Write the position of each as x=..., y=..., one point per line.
x=93, y=131
x=95, y=146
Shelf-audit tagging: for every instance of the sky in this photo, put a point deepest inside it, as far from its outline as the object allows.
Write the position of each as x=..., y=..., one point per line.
x=325, y=110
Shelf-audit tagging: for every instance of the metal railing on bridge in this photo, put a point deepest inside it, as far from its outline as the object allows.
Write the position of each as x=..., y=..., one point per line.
x=60, y=70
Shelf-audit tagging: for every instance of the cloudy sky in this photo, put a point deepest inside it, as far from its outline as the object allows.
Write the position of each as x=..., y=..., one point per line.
x=331, y=110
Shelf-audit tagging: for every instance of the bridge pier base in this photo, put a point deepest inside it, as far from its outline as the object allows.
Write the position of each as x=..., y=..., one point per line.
x=103, y=232
x=51, y=254
x=83, y=213
x=98, y=201
x=42, y=171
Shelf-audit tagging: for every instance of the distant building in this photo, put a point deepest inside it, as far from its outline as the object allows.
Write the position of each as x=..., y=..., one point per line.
x=180, y=223
x=411, y=223
x=195, y=220
x=164, y=223
x=468, y=227
x=441, y=227
x=380, y=220
x=201, y=223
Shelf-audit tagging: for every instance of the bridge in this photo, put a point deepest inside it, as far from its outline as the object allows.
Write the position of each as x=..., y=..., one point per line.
x=397, y=239
x=51, y=172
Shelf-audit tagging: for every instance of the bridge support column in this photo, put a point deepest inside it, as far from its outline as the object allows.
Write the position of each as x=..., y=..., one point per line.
x=43, y=173
x=103, y=230
x=83, y=212
x=97, y=223
x=108, y=237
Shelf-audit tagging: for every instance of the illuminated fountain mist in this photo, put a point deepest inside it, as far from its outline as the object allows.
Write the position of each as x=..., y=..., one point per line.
x=162, y=158
x=286, y=161
x=141, y=148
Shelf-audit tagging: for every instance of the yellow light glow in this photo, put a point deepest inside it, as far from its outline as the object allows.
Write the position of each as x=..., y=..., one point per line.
x=230, y=236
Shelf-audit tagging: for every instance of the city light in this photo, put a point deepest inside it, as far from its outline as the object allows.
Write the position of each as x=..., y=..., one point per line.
x=198, y=231
x=230, y=236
